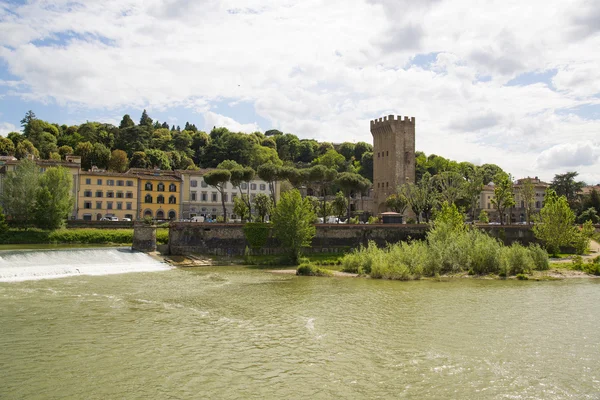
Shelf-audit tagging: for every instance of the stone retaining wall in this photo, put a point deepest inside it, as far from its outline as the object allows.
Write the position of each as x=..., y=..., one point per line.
x=229, y=239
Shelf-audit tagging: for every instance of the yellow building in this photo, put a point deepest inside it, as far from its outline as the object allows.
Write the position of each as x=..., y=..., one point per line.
x=107, y=194
x=159, y=193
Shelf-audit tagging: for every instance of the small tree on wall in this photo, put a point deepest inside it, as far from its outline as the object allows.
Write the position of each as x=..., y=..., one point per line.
x=554, y=224
x=218, y=179
x=293, y=223
x=263, y=206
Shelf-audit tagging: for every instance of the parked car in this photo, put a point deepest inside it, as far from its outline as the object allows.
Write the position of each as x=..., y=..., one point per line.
x=126, y=219
x=109, y=218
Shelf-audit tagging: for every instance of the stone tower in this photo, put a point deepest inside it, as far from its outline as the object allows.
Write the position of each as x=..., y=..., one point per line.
x=393, y=156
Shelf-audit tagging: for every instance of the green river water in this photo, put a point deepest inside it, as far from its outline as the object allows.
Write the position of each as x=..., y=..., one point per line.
x=242, y=333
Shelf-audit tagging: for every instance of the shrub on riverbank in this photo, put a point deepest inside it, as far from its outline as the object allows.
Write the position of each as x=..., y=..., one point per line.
x=307, y=269
x=451, y=247
x=77, y=236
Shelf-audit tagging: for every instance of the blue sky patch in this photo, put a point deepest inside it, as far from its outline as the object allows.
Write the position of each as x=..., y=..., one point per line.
x=529, y=78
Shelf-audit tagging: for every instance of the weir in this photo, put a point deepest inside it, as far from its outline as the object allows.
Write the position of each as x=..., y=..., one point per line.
x=27, y=265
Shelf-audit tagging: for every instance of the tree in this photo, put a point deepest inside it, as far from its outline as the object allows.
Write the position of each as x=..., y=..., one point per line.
x=293, y=223
x=217, y=179
x=347, y=150
x=19, y=194
x=240, y=208
x=270, y=174
x=263, y=205
x=26, y=148
x=182, y=140
x=53, y=198
x=527, y=194
x=7, y=147
x=422, y=196
x=158, y=159
x=360, y=149
x=240, y=175
x=84, y=150
x=65, y=151
x=29, y=116
x=340, y=205
x=139, y=159
x=472, y=187
x=565, y=185
x=483, y=217
x=588, y=215
x=351, y=183
x=332, y=159
x=489, y=172
x=126, y=122
x=554, y=224
x=397, y=202
x=504, y=197
x=321, y=178
x=100, y=156
x=451, y=185
x=145, y=120
x=118, y=161
x=3, y=224
x=366, y=165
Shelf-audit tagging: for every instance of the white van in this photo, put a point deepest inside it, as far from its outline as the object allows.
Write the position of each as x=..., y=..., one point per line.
x=198, y=218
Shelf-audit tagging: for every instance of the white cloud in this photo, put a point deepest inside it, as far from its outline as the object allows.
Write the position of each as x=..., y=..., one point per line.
x=322, y=68
x=6, y=128
x=570, y=155
x=212, y=119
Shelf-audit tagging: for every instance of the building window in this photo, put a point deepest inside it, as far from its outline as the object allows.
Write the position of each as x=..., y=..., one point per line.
x=110, y=182
x=119, y=205
x=109, y=205
x=377, y=185
x=128, y=206
x=387, y=184
x=148, y=186
x=263, y=186
x=160, y=214
x=98, y=193
x=99, y=181
x=88, y=181
x=203, y=184
x=129, y=216
x=129, y=183
x=119, y=195
x=98, y=204
x=87, y=217
x=224, y=197
x=193, y=196
x=172, y=200
x=488, y=206
x=148, y=213
x=253, y=186
x=172, y=187
x=87, y=205
x=244, y=186
x=87, y=193
x=129, y=195
x=204, y=197
x=387, y=153
x=160, y=187
x=120, y=183
x=194, y=183
x=537, y=204
x=160, y=199
x=377, y=154
x=172, y=214
x=148, y=199
x=214, y=197
x=110, y=194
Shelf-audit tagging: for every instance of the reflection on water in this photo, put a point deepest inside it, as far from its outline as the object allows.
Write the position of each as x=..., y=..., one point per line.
x=240, y=333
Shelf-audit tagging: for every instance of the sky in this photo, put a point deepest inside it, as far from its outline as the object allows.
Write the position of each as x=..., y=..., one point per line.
x=511, y=82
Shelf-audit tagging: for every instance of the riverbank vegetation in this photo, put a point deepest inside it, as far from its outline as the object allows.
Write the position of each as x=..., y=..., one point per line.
x=450, y=247
x=76, y=236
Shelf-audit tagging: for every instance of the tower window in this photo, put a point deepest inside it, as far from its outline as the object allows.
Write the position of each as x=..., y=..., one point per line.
x=387, y=153
x=378, y=155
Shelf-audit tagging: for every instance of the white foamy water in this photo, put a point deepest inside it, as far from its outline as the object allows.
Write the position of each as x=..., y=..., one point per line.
x=18, y=266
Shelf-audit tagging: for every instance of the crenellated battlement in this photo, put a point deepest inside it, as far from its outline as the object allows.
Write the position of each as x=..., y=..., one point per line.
x=392, y=119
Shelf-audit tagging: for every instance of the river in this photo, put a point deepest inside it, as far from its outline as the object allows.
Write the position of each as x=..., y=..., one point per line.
x=243, y=333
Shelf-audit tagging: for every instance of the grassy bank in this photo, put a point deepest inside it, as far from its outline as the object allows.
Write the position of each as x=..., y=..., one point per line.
x=320, y=259
x=77, y=236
